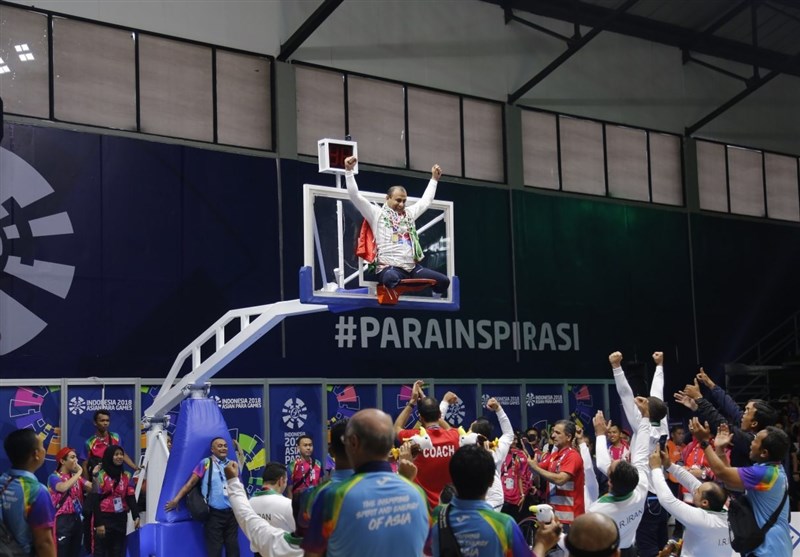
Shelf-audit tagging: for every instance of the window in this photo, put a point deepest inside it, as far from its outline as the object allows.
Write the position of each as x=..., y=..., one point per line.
x=540, y=150
x=244, y=110
x=626, y=149
x=376, y=112
x=175, y=84
x=666, y=179
x=24, y=62
x=712, y=176
x=483, y=141
x=582, y=166
x=434, y=124
x=94, y=74
x=746, y=181
x=783, y=200
x=320, y=107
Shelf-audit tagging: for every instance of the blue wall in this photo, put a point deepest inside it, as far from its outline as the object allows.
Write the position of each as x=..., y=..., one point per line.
x=167, y=238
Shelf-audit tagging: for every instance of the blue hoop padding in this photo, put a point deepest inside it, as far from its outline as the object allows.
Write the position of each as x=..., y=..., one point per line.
x=357, y=299
x=178, y=538
x=200, y=421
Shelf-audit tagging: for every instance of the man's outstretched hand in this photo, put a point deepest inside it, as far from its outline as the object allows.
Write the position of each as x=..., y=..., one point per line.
x=436, y=171
x=350, y=163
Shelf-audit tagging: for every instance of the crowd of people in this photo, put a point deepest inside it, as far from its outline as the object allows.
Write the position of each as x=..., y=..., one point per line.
x=432, y=489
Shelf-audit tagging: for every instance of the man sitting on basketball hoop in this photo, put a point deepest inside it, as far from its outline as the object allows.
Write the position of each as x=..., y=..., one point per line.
x=398, y=248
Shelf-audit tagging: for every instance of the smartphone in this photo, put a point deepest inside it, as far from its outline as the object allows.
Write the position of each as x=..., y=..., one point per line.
x=662, y=442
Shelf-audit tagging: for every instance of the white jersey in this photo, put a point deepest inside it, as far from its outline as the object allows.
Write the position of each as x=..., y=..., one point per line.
x=627, y=511
x=495, y=496
x=705, y=532
x=632, y=413
x=275, y=509
x=391, y=229
x=267, y=540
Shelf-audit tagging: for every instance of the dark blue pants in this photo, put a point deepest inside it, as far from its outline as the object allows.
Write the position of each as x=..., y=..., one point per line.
x=651, y=536
x=391, y=277
x=69, y=535
x=220, y=530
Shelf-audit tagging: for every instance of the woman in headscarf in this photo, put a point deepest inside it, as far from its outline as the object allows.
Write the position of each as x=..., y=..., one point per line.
x=115, y=499
x=67, y=487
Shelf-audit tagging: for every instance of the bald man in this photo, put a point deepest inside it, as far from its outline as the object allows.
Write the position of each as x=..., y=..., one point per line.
x=593, y=535
x=375, y=512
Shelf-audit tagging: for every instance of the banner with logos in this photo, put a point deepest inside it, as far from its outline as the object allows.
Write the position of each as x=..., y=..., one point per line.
x=395, y=398
x=584, y=402
x=243, y=409
x=148, y=395
x=38, y=408
x=294, y=411
x=508, y=395
x=544, y=405
x=463, y=412
x=84, y=400
x=345, y=399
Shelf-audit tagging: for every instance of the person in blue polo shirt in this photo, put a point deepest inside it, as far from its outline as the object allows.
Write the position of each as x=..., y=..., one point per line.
x=25, y=505
x=764, y=483
x=221, y=527
x=478, y=530
x=375, y=512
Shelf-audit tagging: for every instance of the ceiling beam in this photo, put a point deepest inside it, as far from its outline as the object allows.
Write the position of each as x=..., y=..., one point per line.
x=653, y=30
x=307, y=28
x=752, y=86
x=571, y=49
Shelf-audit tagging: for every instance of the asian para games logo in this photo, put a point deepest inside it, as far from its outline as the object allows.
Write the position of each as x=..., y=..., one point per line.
x=294, y=413
x=456, y=413
x=77, y=405
x=23, y=223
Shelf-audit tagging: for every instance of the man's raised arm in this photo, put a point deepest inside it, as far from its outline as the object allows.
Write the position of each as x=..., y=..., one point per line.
x=624, y=389
x=405, y=414
x=428, y=195
x=367, y=209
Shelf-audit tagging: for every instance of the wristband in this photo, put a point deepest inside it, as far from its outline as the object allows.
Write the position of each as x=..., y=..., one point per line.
x=704, y=445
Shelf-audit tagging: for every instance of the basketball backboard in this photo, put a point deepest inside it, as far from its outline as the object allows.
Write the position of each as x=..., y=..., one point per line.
x=332, y=273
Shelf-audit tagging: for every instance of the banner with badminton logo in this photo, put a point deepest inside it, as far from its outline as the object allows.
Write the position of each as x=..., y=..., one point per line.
x=117, y=400
x=294, y=411
x=463, y=412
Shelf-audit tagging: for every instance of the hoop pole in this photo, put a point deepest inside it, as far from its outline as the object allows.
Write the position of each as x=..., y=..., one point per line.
x=339, y=272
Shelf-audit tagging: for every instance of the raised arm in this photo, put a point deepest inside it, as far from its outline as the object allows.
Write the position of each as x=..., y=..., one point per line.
x=449, y=398
x=657, y=389
x=66, y=485
x=686, y=514
x=640, y=447
x=261, y=533
x=507, y=431
x=600, y=443
x=724, y=473
x=428, y=196
x=684, y=477
x=591, y=487
x=367, y=209
x=624, y=389
x=405, y=413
